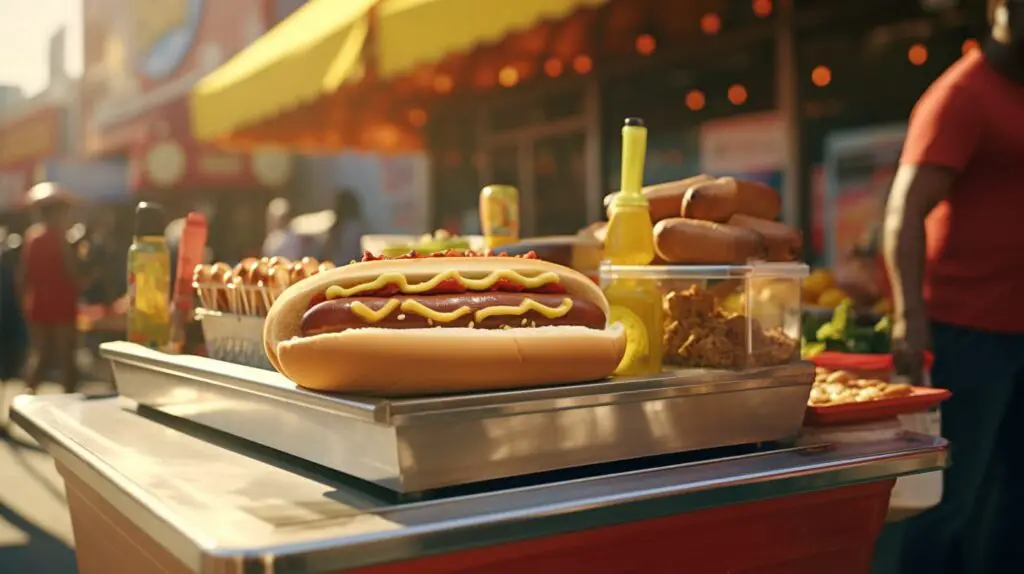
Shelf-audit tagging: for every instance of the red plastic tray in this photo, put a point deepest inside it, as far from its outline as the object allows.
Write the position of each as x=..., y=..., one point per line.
x=922, y=399
x=873, y=366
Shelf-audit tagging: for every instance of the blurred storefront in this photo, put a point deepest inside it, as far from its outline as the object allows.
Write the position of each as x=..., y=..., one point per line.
x=703, y=75
x=27, y=141
x=861, y=69
x=140, y=62
x=535, y=96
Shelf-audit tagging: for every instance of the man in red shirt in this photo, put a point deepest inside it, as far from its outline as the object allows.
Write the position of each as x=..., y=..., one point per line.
x=48, y=285
x=954, y=248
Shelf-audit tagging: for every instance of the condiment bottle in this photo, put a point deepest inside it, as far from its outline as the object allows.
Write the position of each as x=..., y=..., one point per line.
x=149, y=278
x=635, y=303
x=499, y=215
x=190, y=254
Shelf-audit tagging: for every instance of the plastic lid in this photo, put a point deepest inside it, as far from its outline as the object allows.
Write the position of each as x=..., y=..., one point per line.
x=149, y=219
x=663, y=272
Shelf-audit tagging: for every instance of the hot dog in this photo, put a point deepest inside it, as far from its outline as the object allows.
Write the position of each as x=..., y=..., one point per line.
x=720, y=199
x=664, y=199
x=783, y=243
x=457, y=310
x=436, y=324
x=692, y=241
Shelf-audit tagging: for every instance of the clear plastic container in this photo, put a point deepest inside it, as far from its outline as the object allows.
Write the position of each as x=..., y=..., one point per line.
x=724, y=317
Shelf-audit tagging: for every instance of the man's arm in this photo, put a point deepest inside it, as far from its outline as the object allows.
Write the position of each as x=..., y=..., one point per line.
x=916, y=190
x=943, y=135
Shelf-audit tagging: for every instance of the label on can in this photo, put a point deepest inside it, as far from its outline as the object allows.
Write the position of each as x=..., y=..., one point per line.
x=499, y=214
x=148, y=293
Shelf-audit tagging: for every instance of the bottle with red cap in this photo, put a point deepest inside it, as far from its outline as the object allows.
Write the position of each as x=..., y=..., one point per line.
x=190, y=254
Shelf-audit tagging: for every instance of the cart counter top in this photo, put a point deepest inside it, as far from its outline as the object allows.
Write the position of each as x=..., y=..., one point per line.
x=222, y=505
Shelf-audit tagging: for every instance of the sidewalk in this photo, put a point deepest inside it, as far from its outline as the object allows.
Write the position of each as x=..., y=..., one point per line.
x=35, y=529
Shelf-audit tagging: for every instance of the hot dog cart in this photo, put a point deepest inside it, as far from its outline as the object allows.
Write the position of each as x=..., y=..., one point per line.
x=204, y=466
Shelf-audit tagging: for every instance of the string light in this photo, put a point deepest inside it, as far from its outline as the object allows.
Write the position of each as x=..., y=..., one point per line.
x=646, y=44
x=821, y=76
x=737, y=94
x=711, y=24
x=695, y=100
x=762, y=8
x=508, y=76
x=582, y=64
x=417, y=117
x=917, y=54
x=443, y=84
x=554, y=67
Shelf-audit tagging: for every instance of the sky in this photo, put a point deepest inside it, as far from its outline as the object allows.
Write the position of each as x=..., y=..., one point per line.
x=25, y=30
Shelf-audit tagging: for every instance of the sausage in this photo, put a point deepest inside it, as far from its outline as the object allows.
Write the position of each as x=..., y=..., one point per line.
x=681, y=240
x=664, y=198
x=782, y=242
x=720, y=199
x=336, y=315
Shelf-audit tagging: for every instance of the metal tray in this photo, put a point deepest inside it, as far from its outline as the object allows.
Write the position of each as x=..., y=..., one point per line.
x=417, y=444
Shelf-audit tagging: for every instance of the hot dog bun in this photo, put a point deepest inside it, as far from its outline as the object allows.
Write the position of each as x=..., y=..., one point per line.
x=664, y=199
x=783, y=243
x=724, y=197
x=692, y=241
x=397, y=362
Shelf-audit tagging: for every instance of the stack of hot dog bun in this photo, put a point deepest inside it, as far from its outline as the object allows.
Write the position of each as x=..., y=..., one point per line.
x=704, y=220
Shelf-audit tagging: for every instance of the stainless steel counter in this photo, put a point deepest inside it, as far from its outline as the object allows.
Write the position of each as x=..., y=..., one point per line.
x=416, y=444
x=221, y=505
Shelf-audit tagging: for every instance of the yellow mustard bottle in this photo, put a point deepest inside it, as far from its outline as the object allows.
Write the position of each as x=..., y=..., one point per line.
x=149, y=280
x=635, y=303
x=499, y=215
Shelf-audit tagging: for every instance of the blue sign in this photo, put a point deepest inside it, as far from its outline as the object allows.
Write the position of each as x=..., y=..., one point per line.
x=94, y=181
x=166, y=33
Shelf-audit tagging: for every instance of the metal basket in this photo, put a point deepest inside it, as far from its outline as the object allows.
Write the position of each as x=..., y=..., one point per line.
x=234, y=338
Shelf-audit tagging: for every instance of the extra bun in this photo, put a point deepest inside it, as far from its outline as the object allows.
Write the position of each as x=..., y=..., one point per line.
x=395, y=362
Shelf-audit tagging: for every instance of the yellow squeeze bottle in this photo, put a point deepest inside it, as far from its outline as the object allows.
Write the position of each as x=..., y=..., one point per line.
x=629, y=240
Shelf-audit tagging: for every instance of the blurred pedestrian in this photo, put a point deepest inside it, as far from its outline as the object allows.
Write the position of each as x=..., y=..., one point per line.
x=955, y=254
x=48, y=282
x=101, y=264
x=344, y=239
x=281, y=241
x=103, y=269
x=12, y=324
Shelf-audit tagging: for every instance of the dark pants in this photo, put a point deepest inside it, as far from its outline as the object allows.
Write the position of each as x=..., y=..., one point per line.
x=972, y=530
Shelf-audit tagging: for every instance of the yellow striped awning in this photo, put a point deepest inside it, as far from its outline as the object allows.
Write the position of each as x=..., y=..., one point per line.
x=414, y=32
x=310, y=54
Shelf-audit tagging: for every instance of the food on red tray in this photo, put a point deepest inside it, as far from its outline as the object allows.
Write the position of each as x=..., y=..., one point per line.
x=695, y=242
x=840, y=387
x=782, y=242
x=724, y=197
x=442, y=323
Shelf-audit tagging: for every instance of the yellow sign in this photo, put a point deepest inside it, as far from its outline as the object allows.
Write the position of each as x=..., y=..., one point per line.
x=29, y=139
